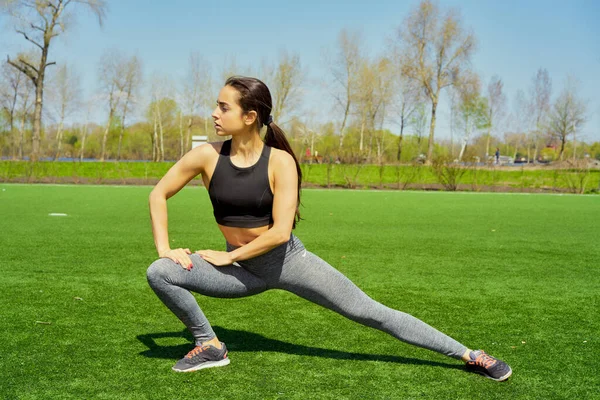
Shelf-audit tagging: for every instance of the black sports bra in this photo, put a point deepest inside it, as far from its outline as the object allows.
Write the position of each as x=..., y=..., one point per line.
x=241, y=197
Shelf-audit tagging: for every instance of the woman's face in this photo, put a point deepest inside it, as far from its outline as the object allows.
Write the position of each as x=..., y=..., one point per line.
x=229, y=118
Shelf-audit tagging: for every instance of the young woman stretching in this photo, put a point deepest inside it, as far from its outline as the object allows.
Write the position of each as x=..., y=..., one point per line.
x=254, y=186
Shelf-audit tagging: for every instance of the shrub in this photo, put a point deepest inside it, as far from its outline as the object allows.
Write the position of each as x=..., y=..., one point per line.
x=448, y=173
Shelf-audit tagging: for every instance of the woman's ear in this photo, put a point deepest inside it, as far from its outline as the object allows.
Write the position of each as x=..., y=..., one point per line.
x=250, y=117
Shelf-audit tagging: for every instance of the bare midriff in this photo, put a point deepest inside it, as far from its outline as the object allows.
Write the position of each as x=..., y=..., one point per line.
x=241, y=236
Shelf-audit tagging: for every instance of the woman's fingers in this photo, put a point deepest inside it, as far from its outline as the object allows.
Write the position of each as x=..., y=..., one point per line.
x=181, y=257
x=185, y=259
x=218, y=258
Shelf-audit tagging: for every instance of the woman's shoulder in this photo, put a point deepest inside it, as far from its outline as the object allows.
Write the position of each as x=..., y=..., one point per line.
x=208, y=149
x=202, y=156
x=281, y=157
x=282, y=163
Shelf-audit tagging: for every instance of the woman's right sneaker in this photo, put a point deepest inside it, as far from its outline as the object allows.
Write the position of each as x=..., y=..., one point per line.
x=202, y=357
x=488, y=366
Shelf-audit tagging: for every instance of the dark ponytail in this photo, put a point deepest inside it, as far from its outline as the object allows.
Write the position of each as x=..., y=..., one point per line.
x=276, y=138
x=255, y=96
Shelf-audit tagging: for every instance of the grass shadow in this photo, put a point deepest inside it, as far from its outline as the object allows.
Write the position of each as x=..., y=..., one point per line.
x=244, y=341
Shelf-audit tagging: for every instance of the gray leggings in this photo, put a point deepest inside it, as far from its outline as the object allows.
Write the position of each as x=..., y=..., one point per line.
x=289, y=267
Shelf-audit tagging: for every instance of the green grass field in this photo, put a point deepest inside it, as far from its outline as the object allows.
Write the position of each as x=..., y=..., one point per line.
x=516, y=275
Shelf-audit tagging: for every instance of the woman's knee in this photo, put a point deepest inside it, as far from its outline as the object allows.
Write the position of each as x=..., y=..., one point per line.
x=367, y=312
x=159, y=271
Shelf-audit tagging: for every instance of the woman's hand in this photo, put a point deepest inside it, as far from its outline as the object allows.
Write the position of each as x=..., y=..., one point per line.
x=217, y=258
x=180, y=256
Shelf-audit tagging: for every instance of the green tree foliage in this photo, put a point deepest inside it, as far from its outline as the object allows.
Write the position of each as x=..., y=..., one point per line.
x=595, y=150
x=165, y=113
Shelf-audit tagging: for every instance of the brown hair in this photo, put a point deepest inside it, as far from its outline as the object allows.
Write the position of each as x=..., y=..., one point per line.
x=255, y=96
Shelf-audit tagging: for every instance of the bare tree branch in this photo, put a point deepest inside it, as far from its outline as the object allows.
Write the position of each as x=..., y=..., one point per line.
x=29, y=65
x=98, y=7
x=39, y=28
x=54, y=7
x=31, y=40
x=22, y=69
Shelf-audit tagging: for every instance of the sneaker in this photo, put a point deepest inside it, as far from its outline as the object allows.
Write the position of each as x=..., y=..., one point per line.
x=488, y=366
x=202, y=357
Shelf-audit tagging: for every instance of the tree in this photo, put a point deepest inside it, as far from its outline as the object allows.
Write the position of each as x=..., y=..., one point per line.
x=120, y=77
x=473, y=109
x=232, y=68
x=568, y=114
x=110, y=73
x=196, y=92
x=12, y=83
x=454, y=96
x=162, y=112
x=23, y=113
x=496, y=108
x=437, y=51
x=539, y=94
x=407, y=103
x=65, y=97
x=520, y=120
x=418, y=120
x=375, y=86
x=285, y=84
x=128, y=81
x=89, y=105
x=39, y=22
x=407, y=99
x=344, y=67
x=307, y=136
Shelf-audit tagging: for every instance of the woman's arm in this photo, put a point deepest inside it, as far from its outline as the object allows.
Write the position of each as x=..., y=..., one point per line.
x=174, y=180
x=285, y=198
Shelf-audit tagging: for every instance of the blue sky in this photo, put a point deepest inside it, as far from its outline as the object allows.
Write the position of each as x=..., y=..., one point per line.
x=515, y=38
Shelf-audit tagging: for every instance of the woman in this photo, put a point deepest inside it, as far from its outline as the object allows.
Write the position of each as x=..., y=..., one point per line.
x=254, y=187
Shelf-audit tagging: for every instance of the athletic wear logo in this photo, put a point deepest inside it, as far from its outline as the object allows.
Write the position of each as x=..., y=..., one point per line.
x=304, y=254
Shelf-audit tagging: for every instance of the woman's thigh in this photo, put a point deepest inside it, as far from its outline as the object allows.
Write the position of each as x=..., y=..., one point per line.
x=204, y=278
x=311, y=278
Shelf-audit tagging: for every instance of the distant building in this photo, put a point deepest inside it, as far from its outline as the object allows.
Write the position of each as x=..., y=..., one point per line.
x=198, y=140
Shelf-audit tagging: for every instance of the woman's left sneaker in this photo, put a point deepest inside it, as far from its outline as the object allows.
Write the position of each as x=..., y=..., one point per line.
x=488, y=366
x=202, y=357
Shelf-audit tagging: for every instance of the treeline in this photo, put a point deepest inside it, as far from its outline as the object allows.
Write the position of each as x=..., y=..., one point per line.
x=155, y=117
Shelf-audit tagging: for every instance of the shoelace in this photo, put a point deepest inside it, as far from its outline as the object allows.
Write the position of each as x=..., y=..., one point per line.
x=195, y=351
x=484, y=360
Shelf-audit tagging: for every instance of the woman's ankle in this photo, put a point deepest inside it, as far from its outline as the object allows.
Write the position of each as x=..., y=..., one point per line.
x=467, y=355
x=213, y=342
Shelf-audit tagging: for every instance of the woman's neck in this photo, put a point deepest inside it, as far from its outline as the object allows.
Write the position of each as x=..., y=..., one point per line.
x=246, y=145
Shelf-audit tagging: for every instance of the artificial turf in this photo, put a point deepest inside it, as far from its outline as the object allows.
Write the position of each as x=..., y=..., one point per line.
x=516, y=275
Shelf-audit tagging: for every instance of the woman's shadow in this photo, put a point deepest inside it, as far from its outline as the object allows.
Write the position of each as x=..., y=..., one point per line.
x=240, y=341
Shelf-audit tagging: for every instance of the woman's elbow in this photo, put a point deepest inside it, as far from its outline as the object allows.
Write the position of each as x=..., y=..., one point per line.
x=156, y=195
x=283, y=236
